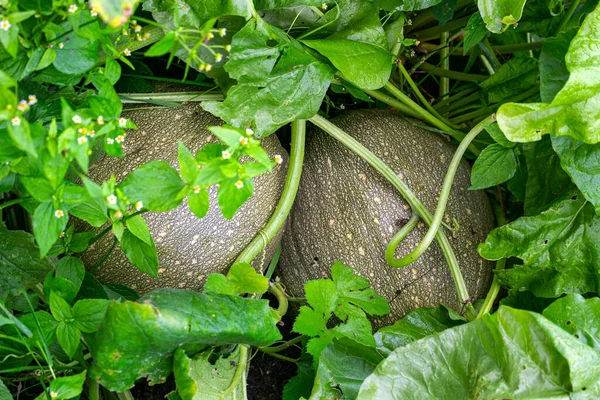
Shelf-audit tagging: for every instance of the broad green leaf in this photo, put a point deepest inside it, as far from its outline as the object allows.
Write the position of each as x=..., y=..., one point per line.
x=21, y=136
x=494, y=131
x=343, y=366
x=417, y=324
x=512, y=78
x=89, y=313
x=112, y=71
x=201, y=378
x=241, y=278
x=137, y=225
x=407, y=5
x=511, y=354
x=582, y=162
x=444, y=11
x=499, y=14
x=355, y=292
x=272, y=4
x=42, y=333
x=526, y=301
x=69, y=337
x=67, y=387
x=194, y=13
x=163, y=46
x=72, y=269
x=20, y=262
x=219, y=284
x=558, y=248
x=140, y=254
x=575, y=109
x=231, y=195
x=546, y=179
x=578, y=316
x=93, y=211
x=187, y=163
x=228, y=135
x=4, y=392
x=495, y=165
x=77, y=56
x=156, y=184
x=48, y=223
x=61, y=310
x=199, y=202
x=167, y=319
x=61, y=287
x=121, y=292
x=553, y=67
x=114, y=12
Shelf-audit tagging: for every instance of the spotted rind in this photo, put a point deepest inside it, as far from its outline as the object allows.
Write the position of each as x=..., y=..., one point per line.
x=189, y=248
x=345, y=211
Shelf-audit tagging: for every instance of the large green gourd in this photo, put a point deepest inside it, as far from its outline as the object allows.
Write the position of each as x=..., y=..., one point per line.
x=345, y=211
x=189, y=248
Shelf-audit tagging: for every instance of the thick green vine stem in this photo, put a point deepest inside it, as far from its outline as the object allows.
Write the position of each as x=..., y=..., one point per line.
x=434, y=225
x=398, y=237
x=277, y=290
x=288, y=195
x=488, y=303
x=180, y=97
x=417, y=207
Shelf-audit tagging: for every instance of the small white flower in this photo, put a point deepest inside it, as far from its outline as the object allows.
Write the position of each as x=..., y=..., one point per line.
x=138, y=28
x=118, y=214
x=139, y=205
x=222, y=32
x=72, y=8
x=82, y=139
x=228, y=48
x=38, y=16
x=138, y=37
x=239, y=184
x=112, y=199
x=100, y=120
x=278, y=159
x=249, y=131
x=110, y=140
x=94, y=12
x=202, y=67
x=208, y=67
x=243, y=140
x=146, y=36
x=342, y=107
x=76, y=119
x=23, y=105
x=59, y=213
x=196, y=189
x=127, y=52
x=32, y=99
x=16, y=121
x=122, y=122
x=218, y=57
x=53, y=395
x=124, y=32
x=91, y=133
x=225, y=154
x=324, y=6
x=62, y=234
x=120, y=139
x=210, y=35
x=5, y=25
x=61, y=45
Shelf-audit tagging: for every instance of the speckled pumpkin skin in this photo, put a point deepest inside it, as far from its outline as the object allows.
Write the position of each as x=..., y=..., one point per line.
x=189, y=248
x=345, y=211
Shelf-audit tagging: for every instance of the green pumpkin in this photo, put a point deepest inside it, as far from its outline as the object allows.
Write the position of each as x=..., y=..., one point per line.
x=345, y=211
x=189, y=248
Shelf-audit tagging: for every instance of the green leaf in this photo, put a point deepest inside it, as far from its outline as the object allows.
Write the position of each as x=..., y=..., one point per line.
x=575, y=110
x=163, y=46
x=140, y=253
x=300, y=386
x=558, y=248
x=137, y=225
x=78, y=55
x=194, y=13
x=187, y=163
x=309, y=322
x=72, y=269
x=201, y=378
x=343, y=366
x=241, y=278
x=112, y=71
x=511, y=354
x=219, y=284
x=546, y=180
x=21, y=136
x=67, y=387
x=61, y=310
x=48, y=223
x=4, y=392
x=69, y=337
x=10, y=39
x=444, y=11
x=168, y=319
x=512, y=78
x=495, y=165
x=553, y=68
x=88, y=314
x=294, y=89
x=199, y=203
x=355, y=291
x=20, y=263
x=417, y=324
x=499, y=14
x=156, y=184
x=407, y=5
x=498, y=136
x=578, y=316
x=231, y=197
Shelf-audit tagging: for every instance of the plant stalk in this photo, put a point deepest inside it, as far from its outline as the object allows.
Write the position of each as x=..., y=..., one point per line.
x=567, y=17
x=457, y=76
x=288, y=195
x=418, y=207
